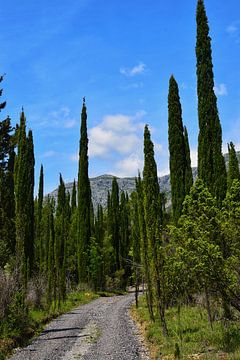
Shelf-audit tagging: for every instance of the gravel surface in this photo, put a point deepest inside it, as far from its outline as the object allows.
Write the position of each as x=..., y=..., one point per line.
x=100, y=330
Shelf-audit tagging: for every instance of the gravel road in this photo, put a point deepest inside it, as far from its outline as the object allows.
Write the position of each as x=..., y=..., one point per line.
x=100, y=330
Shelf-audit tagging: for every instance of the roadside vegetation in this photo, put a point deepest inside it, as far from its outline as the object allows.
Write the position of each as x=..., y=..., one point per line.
x=188, y=256
x=190, y=334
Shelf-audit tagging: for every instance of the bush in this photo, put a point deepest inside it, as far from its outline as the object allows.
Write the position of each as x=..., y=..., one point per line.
x=8, y=287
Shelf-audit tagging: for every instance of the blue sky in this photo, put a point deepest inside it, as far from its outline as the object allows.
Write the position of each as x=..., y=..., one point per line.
x=120, y=55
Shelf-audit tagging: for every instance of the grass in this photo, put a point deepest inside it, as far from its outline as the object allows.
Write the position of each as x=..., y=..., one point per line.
x=37, y=318
x=192, y=335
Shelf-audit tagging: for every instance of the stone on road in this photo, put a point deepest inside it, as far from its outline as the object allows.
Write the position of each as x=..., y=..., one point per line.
x=100, y=330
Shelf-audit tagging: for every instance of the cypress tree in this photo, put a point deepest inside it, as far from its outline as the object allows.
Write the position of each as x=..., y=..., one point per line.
x=99, y=236
x=188, y=168
x=74, y=197
x=176, y=149
x=124, y=244
x=145, y=247
x=61, y=241
x=7, y=204
x=39, y=244
x=51, y=289
x=154, y=219
x=84, y=200
x=233, y=166
x=115, y=222
x=211, y=165
x=136, y=243
x=29, y=241
x=21, y=195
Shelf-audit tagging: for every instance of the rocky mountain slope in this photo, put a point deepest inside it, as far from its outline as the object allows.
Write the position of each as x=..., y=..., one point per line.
x=100, y=186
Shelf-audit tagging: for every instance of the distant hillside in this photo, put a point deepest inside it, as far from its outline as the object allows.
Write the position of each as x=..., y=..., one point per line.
x=100, y=186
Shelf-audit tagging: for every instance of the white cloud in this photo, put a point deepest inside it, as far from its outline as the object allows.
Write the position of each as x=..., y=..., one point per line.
x=136, y=70
x=74, y=157
x=116, y=133
x=220, y=90
x=129, y=166
x=49, y=153
x=59, y=119
x=158, y=148
x=194, y=157
x=232, y=29
x=68, y=124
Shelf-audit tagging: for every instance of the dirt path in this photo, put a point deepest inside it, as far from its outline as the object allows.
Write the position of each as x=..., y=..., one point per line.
x=100, y=330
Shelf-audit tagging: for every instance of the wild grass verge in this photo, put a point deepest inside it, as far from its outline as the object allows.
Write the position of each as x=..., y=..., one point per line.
x=190, y=335
x=21, y=325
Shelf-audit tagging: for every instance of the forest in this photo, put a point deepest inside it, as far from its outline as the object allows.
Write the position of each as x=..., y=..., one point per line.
x=187, y=257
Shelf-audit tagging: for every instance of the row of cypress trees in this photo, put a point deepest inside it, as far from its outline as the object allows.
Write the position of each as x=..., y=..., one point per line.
x=68, y=243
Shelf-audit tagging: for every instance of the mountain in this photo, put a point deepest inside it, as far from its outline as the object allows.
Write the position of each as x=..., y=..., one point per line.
x=100, y=186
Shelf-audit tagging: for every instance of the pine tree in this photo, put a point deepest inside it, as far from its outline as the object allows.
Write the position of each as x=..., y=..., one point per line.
x=176, y=142
x=188, y=168
x=233, y=166
x=211, y=165
x=154, y=219
x=84, y=200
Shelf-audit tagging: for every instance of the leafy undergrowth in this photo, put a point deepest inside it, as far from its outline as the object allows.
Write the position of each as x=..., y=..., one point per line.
x=21, y=325
x=189, y=338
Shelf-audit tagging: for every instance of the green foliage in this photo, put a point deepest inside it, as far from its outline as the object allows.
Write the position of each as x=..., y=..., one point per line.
x=233, y=166
x=211, y=165
x=84, y=201
x=188, y=168
x=144, y=245
x=74, y=197
x=176, y=141
x=7, y=206
x=24, y=205
x=198, y=340
x=17, y=321
x=61, y=238
x=153, y=220
x=195, y=252
x=95, y=264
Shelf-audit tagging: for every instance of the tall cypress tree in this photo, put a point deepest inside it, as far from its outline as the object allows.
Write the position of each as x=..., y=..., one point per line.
x=7, y=204
x=233, y=166
x=144, y=247
x=188, y=168
x=154, y=218
x=84, y=200
x=115, y=222
x=124, y=243
x=136, y=243
x=21, y=195
x=176, y=149
x=61, y=234
x=29, y=241
x=39, y=244
x=211, y=165
x=74, y=197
